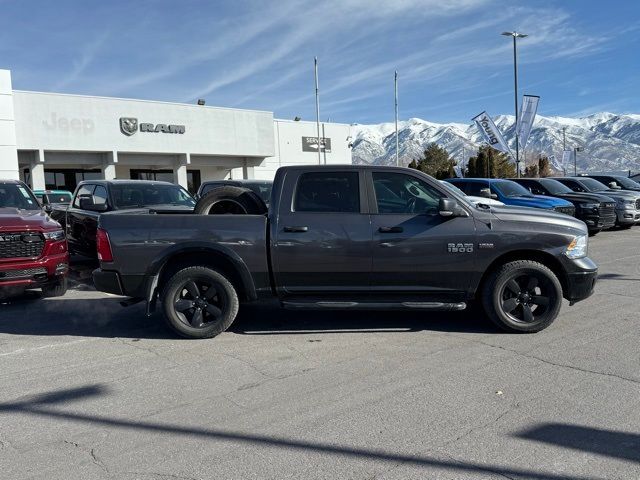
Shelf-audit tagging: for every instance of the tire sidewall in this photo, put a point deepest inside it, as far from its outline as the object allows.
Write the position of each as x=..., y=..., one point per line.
x=247, y=199
x=193, y=273
x=492, y=298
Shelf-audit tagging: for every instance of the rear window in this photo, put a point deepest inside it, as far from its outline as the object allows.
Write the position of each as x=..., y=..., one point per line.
x=137, y=195
x=331, y=192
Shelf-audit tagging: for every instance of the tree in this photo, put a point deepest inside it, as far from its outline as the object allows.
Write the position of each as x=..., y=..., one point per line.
x=544, y=168
x=531, y=171
x=435, y=162
x=490, y=163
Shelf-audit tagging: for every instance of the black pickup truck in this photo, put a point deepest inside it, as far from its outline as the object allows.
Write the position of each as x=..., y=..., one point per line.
x=93, y=198
x=349, y=237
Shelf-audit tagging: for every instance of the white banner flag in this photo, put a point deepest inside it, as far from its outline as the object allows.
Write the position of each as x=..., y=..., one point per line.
x=490, y=133
x=567, y=158
x=526, y=118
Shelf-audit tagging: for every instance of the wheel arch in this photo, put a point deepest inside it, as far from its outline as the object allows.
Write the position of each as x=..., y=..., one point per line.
x=203, y=254
x=542, y=257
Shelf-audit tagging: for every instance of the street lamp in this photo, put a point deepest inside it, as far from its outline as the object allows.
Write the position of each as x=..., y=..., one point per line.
x=575, y=159
x=515, y=36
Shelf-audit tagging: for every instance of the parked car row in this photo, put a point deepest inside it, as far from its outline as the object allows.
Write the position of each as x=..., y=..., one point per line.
x=600, y=206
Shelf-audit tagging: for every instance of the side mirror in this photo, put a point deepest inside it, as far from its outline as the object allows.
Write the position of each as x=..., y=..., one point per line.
x=485, y=193
x=448, y=207
x=47, y=208
x=494, y=196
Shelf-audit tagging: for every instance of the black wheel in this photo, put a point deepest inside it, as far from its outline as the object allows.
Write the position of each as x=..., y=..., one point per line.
x=230, y=200
x=57, y=290
x=522, y=296
x=199, y=302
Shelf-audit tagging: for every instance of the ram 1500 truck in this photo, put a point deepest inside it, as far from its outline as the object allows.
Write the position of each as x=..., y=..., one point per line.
x=33, y=250
x=93, y=198
x=349, y=237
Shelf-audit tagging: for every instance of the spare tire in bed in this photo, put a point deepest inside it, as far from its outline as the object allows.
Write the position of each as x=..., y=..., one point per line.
x=229, y=200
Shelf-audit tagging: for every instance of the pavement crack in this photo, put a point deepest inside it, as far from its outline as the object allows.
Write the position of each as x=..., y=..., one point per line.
x=556, y=364
x=97, y=461
x=249, y=364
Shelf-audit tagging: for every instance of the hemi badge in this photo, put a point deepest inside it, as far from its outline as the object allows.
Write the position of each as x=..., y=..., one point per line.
x=485, y=245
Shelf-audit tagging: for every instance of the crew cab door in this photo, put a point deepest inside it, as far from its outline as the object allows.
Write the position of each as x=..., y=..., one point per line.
x=321, y=239
x=416, y=251
x=82, y=224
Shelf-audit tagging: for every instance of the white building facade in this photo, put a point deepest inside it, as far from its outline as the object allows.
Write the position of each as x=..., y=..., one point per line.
x=54, y=140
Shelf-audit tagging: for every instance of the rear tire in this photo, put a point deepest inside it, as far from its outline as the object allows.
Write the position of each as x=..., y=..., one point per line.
x=522, y=296
x=57, y=290
x=199, y=302
x=230, y=200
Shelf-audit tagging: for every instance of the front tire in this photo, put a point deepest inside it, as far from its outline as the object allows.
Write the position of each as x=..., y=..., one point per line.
x=199, y=302
x=57, y=290
x=522, y=296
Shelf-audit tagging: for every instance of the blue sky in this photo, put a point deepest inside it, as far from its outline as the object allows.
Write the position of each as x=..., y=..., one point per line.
x=581, y=56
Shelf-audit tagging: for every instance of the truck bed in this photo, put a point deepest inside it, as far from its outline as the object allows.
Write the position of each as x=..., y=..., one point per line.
x=140, y=242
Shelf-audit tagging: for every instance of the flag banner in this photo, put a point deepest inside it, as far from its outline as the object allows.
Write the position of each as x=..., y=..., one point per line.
x=490, y=133
x=526, y=118
x=567, y=157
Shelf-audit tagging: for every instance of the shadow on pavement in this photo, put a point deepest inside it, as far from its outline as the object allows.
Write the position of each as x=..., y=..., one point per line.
x=43, y=406
x=609, y=443
x=270, y=319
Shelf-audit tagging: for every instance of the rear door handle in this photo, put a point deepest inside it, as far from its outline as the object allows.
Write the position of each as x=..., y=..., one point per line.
x=391, y=229
x=296, y=229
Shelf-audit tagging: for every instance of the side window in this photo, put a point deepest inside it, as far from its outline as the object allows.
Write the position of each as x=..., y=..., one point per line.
x=330, y=192
x=474, y=188
x=100, y=195
x=534, y=188
x=83, y=191
x=401, y=193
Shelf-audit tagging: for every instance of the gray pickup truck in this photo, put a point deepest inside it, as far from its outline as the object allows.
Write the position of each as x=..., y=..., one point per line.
x=349, y=237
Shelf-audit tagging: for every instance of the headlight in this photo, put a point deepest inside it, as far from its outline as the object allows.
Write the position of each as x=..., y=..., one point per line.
x=56, y=235
x=623, y=202
x=590, y=206
x=577, y=248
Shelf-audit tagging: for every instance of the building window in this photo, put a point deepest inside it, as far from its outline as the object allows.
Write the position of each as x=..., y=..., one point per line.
x=68, y=179
x=193, y=177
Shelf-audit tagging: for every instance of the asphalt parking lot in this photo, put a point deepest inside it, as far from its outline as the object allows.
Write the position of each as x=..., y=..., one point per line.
x=92, y=390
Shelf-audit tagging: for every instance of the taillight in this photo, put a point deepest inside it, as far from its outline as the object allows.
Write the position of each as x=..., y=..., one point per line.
x=103, y=246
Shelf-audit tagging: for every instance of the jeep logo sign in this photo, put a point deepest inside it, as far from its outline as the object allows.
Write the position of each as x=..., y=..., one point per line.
x=129, y=126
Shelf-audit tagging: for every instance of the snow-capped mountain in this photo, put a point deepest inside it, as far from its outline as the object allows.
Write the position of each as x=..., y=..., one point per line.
x=610, y=142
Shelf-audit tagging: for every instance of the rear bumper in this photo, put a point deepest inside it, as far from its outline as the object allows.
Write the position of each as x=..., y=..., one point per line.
x=117, y=284
x=34, y=273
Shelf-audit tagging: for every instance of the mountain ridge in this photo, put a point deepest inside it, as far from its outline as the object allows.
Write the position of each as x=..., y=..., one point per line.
x=611, y=141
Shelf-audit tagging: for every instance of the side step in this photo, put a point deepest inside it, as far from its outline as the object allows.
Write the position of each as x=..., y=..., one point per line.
x=431, y=306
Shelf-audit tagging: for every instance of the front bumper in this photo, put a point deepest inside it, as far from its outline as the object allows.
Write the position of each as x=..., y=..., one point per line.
x=627, y=216
x=582, y=275
x=34, y=273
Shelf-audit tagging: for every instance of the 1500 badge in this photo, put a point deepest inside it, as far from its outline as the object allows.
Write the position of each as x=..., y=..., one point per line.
x=460, y=247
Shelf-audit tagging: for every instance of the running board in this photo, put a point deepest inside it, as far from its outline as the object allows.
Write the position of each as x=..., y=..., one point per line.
x=432, y=306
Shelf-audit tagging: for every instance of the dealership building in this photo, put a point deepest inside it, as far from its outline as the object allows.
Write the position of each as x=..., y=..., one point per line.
x=52, y=140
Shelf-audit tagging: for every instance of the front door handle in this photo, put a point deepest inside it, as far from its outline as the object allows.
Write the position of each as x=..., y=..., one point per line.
x=391, y=229
x=296, y=229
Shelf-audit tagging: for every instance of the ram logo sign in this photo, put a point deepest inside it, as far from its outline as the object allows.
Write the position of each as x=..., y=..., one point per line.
x=129, y=126
x=460, y=247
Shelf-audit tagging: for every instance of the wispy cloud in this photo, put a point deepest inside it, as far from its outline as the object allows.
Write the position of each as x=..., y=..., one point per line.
x=87, y=56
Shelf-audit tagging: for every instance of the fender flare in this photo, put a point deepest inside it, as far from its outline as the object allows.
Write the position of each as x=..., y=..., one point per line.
x=155, y=269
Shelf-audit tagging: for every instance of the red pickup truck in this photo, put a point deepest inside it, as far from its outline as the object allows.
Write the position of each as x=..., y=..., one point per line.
x=33, y=247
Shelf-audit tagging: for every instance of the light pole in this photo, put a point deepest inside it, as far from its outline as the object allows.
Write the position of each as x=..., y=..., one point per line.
x=515, y=36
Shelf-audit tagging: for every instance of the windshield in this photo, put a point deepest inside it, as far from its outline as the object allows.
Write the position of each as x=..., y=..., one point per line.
x=626, y=182
x=593, y=185
x=511, y=189
x=554, y=187
x=133, y=195
x=14, y=195
x=62, y=197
